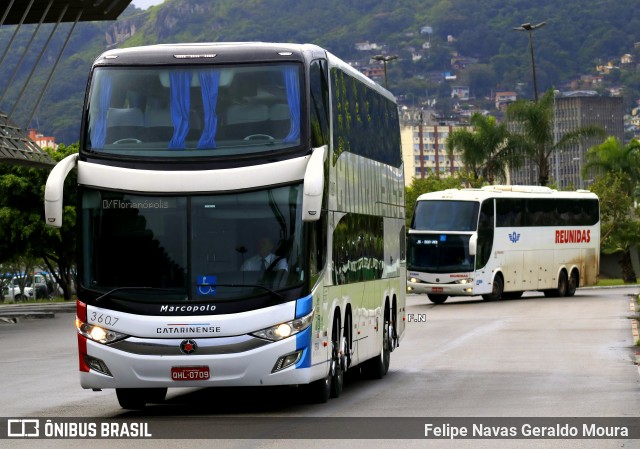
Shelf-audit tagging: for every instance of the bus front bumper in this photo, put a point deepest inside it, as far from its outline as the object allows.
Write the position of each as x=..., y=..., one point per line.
x=440, y=289
x=253, y=367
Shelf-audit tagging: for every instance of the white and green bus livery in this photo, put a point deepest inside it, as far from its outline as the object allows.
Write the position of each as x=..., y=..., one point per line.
x=241, y=217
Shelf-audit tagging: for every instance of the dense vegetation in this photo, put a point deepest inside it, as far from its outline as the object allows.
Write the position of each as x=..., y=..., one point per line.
x=575, y=39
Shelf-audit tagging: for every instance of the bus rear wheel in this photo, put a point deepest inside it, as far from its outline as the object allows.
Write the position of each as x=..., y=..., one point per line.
x=138, y=398
x=338, y=363
x=377, y=367
x=563, y=287
x=574, y=281
x=437, y=299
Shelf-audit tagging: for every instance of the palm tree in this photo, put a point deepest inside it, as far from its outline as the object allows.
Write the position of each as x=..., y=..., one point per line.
x=486, y=151
x=534, y=132
x=613, y=156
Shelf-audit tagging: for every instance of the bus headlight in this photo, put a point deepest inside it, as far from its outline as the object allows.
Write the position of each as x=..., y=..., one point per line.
x=464, y=281
x=97, y=333
x=284, y=330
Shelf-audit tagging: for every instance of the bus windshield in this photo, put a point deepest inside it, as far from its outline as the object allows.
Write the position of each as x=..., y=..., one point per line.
x=206, y=247
x=443, y=215
x=194, y=111
x=439, y=253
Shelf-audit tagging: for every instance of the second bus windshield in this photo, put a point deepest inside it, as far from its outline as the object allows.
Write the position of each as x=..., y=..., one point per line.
x=445, y=215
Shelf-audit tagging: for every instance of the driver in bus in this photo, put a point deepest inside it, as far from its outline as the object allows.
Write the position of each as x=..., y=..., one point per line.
x=265, y=259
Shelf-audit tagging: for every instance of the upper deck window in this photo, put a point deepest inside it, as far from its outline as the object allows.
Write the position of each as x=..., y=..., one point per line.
x=195, y=111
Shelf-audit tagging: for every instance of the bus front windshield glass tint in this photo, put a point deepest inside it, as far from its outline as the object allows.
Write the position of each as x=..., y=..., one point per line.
x=208, y=247
x=203, y=111
x=443, y=215
x=439, y=253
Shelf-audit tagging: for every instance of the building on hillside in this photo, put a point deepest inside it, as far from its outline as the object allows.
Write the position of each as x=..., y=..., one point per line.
x=41, y=140
x=424, y=147
x=502, y=99
x=572, y=111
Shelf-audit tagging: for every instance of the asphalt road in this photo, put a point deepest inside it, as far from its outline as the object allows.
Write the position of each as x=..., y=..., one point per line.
x=533, y=357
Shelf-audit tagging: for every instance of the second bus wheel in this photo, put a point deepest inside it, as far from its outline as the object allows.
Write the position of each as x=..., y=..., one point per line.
x=437, y=299
x=496, y=290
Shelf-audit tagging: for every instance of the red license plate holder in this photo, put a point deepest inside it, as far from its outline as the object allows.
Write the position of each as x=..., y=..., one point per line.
x=189, y=373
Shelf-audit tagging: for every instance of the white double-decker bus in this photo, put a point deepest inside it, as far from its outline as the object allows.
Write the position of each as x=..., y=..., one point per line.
x=500, y=241
x=241, y=216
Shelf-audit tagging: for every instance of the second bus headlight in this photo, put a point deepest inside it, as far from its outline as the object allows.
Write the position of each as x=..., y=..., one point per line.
x=464, y=281
x=284, y=330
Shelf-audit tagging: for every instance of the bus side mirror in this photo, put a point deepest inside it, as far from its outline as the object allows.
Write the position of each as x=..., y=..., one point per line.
x=55, y=188
x=473, y=244
x=313, y=185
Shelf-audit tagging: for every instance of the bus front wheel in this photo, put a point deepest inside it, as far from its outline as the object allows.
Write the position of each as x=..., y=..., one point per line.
x=496, y=290
x=437, y=299
x=138, y=398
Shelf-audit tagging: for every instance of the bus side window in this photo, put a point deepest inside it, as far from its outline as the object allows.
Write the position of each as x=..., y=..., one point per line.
x=319, y=104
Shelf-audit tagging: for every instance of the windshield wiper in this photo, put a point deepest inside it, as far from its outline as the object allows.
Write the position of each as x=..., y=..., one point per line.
x=110, y=292
x=273, y=292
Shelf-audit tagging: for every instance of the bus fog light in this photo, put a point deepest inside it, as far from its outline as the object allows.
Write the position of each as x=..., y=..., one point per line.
x=287, y=360
x=97, y=365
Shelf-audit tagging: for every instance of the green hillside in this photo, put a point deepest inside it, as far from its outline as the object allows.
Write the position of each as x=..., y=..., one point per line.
x=577, y=37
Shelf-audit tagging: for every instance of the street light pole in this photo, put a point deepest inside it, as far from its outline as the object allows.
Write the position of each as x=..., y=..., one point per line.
x=385, y=59
x=531, y=28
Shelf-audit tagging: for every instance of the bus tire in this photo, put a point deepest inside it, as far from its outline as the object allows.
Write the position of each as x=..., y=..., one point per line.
x=137, y=398
x=320, y=390
x=337, y=363
x=574, y=281
x=497, y=289
x=437, y=299
x=377, y=367
x=563, y=287
x=512, y=295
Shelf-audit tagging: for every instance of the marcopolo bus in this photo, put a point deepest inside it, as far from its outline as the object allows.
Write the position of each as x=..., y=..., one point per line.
x=241, y=216
x=500, y=241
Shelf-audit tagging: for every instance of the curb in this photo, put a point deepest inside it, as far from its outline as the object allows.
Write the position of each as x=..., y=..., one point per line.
x=634, y=326
x=12, y=313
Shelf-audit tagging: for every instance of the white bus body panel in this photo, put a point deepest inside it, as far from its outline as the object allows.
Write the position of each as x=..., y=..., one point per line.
x=142, y=368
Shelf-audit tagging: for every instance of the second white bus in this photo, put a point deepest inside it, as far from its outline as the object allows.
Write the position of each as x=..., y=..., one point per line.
x=500, y=241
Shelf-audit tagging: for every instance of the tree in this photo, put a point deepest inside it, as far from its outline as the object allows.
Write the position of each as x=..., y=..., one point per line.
x=487, y=150
x=619, y=218
x=611, y=156
x=23, y=231
x=533, y=133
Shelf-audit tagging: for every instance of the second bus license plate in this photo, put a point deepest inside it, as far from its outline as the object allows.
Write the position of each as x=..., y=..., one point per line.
x=190, y=373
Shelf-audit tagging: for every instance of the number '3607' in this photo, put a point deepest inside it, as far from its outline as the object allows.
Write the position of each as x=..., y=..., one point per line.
x=101, y=318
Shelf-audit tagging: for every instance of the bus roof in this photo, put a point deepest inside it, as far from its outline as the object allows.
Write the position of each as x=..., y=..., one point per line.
x=228, y=53
x=504, y=191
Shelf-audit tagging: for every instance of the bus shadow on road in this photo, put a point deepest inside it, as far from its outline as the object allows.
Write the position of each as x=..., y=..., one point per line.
x=249, y=400
x=468, y=301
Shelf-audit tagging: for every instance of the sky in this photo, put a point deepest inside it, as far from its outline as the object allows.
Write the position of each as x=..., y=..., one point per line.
x=144, y=4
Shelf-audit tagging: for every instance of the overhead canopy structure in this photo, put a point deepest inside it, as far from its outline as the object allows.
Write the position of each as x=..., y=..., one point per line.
x=15, y=145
